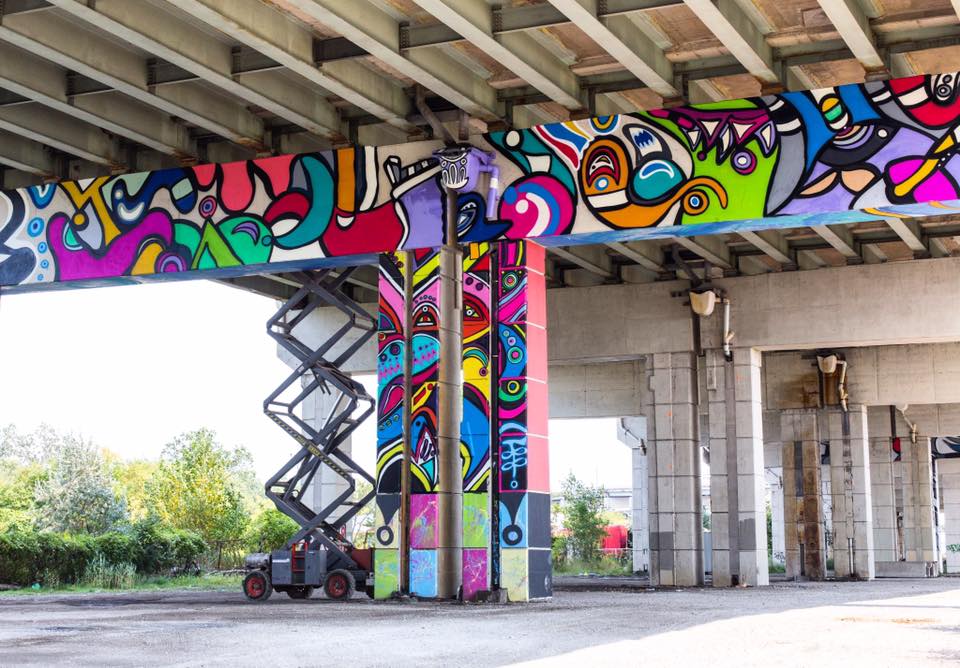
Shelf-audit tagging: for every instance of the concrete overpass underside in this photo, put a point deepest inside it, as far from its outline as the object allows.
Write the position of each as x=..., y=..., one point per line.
x=824, y=222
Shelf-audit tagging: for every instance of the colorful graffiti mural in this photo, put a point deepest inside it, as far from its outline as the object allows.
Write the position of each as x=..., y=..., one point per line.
x=873, y=149
x=475, y=441
x=523, y=479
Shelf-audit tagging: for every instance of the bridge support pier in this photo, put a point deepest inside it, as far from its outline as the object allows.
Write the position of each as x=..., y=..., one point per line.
x=462, y=479
x=673, y=460
x=737, y=498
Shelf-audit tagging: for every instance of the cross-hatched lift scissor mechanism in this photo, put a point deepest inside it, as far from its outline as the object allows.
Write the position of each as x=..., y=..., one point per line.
x=320, y=548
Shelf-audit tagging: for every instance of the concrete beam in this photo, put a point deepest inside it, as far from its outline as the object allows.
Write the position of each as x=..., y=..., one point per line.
x=147, y=27
x=772, y=243
x=594, y=266
x=57, y=130
x=738, y=33
x=623, y=40
x=291, y=45
x=854, y=27
x=55, y=38
x=518, y=52
x=839, y=237
x=711, y=248
x=378, y=34
x=909, y=233
x=25, y=155
x=647, y=255
x=44, y=82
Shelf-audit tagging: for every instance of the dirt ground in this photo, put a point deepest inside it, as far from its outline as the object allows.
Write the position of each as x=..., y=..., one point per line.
x=881, y=623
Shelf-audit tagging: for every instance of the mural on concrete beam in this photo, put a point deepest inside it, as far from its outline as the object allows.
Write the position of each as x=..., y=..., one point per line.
x=854, y=152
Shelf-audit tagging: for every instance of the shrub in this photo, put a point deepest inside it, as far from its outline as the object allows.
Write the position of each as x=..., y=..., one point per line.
x=27, y=556
x=270, y=530
x=102, y=574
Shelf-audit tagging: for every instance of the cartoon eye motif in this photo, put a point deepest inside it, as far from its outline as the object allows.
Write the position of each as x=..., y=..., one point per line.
x=646, y=141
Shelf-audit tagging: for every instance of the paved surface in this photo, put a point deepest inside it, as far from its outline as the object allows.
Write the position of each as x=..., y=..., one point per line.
x=885, y=623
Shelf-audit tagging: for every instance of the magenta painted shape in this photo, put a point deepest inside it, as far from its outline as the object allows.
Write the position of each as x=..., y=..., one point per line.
x=423, y=521
x=474, y=572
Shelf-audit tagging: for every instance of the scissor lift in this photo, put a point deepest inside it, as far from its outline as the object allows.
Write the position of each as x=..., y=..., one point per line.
x=319, y=554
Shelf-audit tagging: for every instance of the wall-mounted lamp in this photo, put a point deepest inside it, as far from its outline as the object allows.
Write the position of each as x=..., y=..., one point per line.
x=703, y=303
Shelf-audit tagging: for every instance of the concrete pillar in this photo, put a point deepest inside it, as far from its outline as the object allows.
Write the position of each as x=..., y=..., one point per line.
x=737, y=497
x=326, y=485
x=476, y=418
x=884, y=500
x=673, y=459
x=778, y=537
x=949, y=474
x=851, y=494
x=802, y=501
x=632, y=432
x=393, y=473
x=522, y=452
x=919, y=533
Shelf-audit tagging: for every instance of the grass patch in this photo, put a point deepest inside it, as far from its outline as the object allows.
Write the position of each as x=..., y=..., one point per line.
x=776, y=567
x=138, y=583
x=605, y=566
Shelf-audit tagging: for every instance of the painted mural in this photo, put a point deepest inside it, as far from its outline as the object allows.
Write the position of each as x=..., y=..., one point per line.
x=841, y=154
x=475, y=442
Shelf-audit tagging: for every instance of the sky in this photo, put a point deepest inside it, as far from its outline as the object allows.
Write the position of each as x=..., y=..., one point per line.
x=131, y=367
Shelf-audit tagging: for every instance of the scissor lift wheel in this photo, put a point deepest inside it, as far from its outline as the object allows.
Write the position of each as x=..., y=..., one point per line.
x=257, y=586
x=339, y=585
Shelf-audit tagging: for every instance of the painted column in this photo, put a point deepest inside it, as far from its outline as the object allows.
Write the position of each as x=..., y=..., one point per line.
x=737, y=498
x=391, y=471
x=673, y=460
x=916, y=463
x=884, y=501
x=850, y=492
x=802, y=497
x=475, y=426
x=523, y=480
x=424, y=411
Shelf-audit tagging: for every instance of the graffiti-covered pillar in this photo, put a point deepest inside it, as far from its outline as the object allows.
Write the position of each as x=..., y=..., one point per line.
x=522, y=472
x=475, y=425
x=392, y=474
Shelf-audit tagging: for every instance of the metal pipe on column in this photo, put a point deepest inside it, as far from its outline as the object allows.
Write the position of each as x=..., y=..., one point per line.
x=450, y=386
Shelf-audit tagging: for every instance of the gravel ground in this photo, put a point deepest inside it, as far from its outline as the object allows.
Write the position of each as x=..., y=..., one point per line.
x=881, y=623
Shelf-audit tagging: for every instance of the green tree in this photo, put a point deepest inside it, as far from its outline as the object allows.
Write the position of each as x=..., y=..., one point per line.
x=583, y=517
x=269, y=530
x=130, y=482
x=76, y=495
x=199, y=486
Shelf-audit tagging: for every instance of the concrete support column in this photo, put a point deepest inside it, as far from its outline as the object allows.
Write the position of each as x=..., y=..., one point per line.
x=673, y=459
x=778, y=535
x=884, y=500
x=737, y=497
x=919, y=532
x=326, y=485
x=850, y=491
x=632, y=432
x=393, y=453
x=949, y=473
x=802, y=502
x=475, y=424
x=522, y=446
